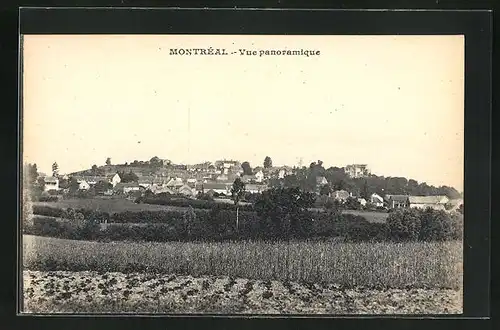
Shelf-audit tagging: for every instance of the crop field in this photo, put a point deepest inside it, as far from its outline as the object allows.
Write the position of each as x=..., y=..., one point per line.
x=241, y=277
x=94, y=292
x=383, y=265
x=110, y=205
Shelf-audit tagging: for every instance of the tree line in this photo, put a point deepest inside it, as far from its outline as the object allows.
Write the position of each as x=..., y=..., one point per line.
x=305, y=179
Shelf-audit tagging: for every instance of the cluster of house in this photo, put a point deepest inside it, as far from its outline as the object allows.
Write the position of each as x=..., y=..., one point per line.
x=187, y=180
x=402, y=201
x=218, y=178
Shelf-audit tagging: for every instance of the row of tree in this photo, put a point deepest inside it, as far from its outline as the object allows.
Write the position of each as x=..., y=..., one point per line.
x=305, y=179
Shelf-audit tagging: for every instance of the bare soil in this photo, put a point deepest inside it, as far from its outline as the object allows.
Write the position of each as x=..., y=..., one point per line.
x=94, y=292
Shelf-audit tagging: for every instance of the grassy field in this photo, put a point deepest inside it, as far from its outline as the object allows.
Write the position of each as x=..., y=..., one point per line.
x=107, y=205
x=369, y=215
x=376, y=265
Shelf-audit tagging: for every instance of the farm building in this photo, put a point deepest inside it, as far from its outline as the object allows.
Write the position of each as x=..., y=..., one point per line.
x=126, y=187
x=219, y=188
x=397, y=201
x=423, y=202
x=255, y=188
x=51, y=183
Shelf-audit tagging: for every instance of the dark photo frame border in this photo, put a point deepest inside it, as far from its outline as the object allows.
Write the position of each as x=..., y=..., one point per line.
x=475, y=25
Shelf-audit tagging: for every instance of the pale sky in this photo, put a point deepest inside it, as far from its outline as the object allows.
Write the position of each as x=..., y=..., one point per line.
x=395, y=103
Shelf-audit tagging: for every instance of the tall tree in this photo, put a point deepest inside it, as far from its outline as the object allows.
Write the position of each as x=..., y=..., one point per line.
x=94, y=169
x=365, y=194
x=55, y=169
x=41, y=183
x=247, y=169
x=268, y=162
x=108, y=161
x=237, y=192
x=32, y=174
x=102, y=186
x=155, y=162
x=73, y=185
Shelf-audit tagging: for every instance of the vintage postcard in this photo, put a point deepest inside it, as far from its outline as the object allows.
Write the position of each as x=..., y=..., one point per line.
x=242, y=174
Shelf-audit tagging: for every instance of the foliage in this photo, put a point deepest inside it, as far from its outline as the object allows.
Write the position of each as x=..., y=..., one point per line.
x=155, y=162
x=305, y=178
x=325, y=190
x=48, y=199
x=435, y=225
x=280, y=215
x=237, y=190
x=128, y=177
x=404, y=225
x=352, y=204
x=268, y=163
x=247, y=169
x=189, y=220
x=102, y=186
x=55, y=169
x=108, y=161
x=284, y=210
x=31, y=173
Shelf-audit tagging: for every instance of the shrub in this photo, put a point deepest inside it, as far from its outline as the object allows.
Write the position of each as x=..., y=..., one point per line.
x=404, y=225
x=435, y=225
x=352, y=204
x=48, y=199
x=48, y=226
x=48, y=211
x=457, y=226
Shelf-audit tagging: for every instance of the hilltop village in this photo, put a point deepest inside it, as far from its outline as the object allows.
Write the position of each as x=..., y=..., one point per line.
x=353, y=184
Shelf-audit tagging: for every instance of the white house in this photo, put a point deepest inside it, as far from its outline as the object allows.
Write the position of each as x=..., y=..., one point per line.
x=114, y=179
x=51, y=183
x=127, y=187
x=357, y=170
x=259, y=176
x=83, y=185
x=362, y=201
x=376, y=200
x=321, y=181
x=255, y=188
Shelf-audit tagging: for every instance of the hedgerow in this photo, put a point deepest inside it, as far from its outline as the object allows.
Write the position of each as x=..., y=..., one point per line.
x=219, y=224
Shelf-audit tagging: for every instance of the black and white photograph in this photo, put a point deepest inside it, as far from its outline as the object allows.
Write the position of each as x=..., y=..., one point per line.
x=242, y=174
